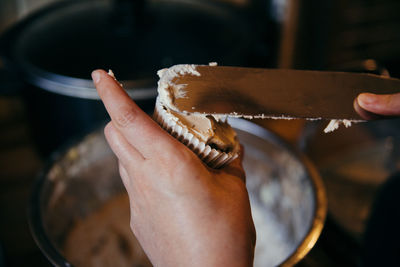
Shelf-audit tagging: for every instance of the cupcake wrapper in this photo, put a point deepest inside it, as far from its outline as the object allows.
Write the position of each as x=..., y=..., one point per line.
x=214, y=158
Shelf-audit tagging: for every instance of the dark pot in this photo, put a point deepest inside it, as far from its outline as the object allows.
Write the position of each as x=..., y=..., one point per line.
x=53, y=52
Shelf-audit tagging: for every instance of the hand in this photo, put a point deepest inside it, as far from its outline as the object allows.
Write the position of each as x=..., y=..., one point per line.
x=370, y=105
x=182, y=212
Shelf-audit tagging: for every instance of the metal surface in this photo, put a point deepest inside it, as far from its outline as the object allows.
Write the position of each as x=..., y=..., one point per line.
x=58, y=46
x=284, y=188
x=278, y=93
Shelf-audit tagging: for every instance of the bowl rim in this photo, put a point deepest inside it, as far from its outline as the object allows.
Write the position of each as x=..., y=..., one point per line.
x=55, y=257
x=35, y=223
x=320, y=197
x=320, y=211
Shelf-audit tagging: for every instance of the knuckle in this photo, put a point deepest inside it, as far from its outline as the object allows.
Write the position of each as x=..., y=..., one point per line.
x=108, y=129
x=134, y=228
x=125, y=118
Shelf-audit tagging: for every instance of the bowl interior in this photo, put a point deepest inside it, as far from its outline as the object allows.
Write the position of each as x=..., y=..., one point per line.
x=84, y=211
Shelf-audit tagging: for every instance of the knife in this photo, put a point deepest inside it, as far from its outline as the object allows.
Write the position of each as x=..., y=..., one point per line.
x=272, y=93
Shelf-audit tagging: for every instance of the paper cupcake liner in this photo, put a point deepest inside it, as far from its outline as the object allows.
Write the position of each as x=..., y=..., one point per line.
x=214, y=158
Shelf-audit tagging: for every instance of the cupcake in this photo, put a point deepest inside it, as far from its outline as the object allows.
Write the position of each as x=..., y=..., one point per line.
x=210, y=137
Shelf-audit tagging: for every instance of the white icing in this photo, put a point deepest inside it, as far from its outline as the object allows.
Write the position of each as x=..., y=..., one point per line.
x=202, y=125
x=334, y=124
x=167, y=89
x=205, y=129
x=111, y=73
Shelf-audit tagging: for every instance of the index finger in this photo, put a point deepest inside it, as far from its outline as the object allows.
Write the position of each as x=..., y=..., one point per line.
x=135, y=125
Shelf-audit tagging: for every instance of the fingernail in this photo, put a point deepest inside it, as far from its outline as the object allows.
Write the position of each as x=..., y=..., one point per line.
x=96, y=76
x=366, y=99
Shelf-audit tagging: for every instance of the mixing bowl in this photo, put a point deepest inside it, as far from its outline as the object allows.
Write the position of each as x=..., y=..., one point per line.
x=79, y=213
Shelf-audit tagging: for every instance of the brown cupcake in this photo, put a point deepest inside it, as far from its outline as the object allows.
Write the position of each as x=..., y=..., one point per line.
x=214, y=141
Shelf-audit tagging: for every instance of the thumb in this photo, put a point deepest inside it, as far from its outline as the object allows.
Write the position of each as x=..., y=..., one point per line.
x=387, y=105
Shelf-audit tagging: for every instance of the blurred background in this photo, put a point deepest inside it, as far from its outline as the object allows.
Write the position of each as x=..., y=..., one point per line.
x=49, y=47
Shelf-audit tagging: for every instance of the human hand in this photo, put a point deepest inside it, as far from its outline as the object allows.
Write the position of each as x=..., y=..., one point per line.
x=370, y=106
x=182, y=212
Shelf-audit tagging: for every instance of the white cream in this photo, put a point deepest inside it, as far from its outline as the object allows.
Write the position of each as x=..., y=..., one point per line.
x=209, y=129
x=334, y=124
x=111, y=73
x=168, y=91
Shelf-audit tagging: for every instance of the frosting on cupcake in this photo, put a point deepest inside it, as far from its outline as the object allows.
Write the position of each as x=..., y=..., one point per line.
x=214, y=142
x=213, y=131
x=168, y=91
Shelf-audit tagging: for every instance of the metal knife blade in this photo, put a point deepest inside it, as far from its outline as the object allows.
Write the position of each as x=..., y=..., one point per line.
x=277, y=93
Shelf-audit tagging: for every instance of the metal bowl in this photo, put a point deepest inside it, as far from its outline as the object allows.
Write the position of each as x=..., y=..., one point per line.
x=79, y=186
